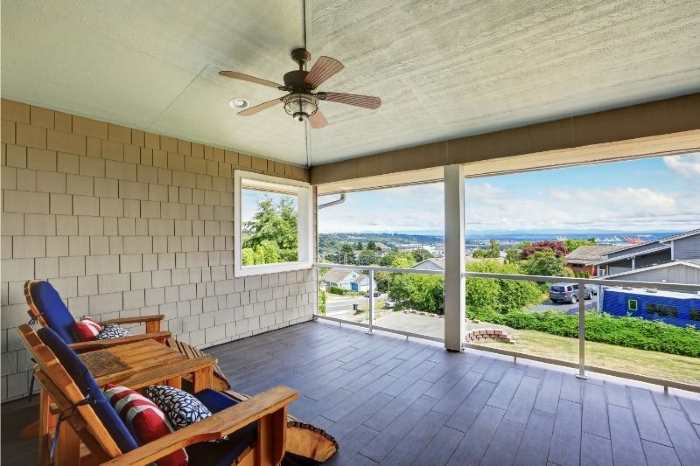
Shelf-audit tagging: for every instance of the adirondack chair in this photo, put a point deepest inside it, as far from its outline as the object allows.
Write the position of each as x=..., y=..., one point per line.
x=47, y=308
x=251, y=432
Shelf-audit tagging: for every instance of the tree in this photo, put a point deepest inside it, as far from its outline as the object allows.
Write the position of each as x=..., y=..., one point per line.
x=346, y=254
x=419, y=292
x=493, y=251
x=573, y=244
x=513, y=255
x=546, y=262
x=371, y=245
x=399, y=260
x=499, y=295
x=557, y=247
x=359, y=246
x=421, y=254
x=272, y=228
x=367, y=257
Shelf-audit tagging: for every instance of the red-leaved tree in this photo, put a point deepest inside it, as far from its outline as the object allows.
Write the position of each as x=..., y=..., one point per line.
x=558, y=247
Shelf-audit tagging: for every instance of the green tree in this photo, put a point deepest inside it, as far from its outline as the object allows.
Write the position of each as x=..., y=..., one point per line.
x=419, y=292
x=399, y=260
x=572, y=244
x=499, y=295
x=271, y=225
x=421, y=254
x=346, y=254
x=367, y=257
x=546, y=262
x=359, y=246
x=492, y=252
x=371, y=245
x=513, y=255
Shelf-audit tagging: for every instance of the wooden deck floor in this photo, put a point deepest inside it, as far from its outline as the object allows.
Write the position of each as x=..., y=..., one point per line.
x=396, y=402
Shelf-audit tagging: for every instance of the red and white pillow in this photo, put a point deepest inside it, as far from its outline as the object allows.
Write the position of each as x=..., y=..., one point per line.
x=144, y=419
x=87, y=329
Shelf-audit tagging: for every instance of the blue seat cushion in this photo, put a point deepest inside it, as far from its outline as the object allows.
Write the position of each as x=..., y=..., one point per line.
x=224, y=452
x=215, y=401
x=51, y=306
x=87, y=385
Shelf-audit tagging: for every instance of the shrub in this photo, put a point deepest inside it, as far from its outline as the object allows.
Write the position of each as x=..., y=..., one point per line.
x=501, y=295
x=419, y=292
x=337, y=290
x=632, y=332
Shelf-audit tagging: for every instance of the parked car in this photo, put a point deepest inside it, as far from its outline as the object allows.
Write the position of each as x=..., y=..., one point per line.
x=376, y=294
x=567, y=293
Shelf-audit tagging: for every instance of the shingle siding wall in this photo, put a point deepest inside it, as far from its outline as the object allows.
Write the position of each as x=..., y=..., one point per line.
x=687, y=248
x=125, y=222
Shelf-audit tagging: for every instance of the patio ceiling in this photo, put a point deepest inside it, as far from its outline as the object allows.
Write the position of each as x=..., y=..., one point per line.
x=444, y=69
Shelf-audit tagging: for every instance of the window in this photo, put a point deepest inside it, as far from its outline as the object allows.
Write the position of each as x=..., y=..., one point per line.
x=662, y=310
x=695, y=314
x=631, y=304
x=273, y=224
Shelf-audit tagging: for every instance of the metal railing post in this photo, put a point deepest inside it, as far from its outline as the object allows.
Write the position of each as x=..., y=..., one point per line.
x=581, y=331
x=370, y=328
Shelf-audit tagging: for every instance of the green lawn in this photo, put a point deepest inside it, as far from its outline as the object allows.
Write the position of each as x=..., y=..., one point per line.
x=648, y=363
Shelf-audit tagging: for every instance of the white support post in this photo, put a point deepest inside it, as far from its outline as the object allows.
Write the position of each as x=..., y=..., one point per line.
x=370, y=327
x=454, y=257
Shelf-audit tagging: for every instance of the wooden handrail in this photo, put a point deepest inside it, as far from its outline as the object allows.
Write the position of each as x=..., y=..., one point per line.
x=214, y=427
x=134, y=320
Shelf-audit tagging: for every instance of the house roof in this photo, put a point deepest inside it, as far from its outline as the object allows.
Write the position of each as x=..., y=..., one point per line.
x=432, y=264
x=589, y=254
x=681, y=235
x=692, y=263
x=661, y=247
x=336, y=275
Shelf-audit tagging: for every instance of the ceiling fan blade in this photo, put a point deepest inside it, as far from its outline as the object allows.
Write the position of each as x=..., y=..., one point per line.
x=317, y=120
x=257, y=108
x=365, y=101
x=323, y=69
x=249, y=78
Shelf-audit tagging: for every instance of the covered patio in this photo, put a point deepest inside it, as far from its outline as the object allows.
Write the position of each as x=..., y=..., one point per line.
x=147, y=149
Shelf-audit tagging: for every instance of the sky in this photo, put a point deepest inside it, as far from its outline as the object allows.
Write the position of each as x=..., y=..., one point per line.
x=651, y=194
x=251, y=198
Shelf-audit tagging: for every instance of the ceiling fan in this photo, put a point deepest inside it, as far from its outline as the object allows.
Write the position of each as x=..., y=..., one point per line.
x=302, y=99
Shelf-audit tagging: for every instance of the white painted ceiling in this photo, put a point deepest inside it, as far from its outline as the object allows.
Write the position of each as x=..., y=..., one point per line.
x=444, y=68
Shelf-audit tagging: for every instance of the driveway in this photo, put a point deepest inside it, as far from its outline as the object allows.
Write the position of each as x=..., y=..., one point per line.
x=566, y=308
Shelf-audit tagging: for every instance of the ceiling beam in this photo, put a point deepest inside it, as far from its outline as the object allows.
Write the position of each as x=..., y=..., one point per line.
x=665, y=126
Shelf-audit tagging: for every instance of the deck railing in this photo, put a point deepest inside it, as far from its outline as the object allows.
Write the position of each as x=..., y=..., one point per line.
x=581, y=365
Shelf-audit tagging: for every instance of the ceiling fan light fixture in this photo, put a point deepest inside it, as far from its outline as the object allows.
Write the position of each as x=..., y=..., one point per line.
x=238, y=103
x=300, y=106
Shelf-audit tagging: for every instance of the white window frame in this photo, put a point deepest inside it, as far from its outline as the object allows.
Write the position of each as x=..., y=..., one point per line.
x=303, y=192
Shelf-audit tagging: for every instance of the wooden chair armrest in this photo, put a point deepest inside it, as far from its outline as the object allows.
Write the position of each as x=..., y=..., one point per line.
x=84, y=346
x=134, y=320
x=214, y=427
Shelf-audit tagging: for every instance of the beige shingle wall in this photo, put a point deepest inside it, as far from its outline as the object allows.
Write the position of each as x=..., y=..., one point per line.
x=125, y=222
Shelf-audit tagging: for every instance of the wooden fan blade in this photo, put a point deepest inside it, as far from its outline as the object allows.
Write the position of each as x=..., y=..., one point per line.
x=317, y=120
x=249, y=78
x=324, y=68
x=365, y=101
x=257, y=108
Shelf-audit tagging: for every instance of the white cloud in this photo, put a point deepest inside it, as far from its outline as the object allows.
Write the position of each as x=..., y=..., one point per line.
x=687, y=165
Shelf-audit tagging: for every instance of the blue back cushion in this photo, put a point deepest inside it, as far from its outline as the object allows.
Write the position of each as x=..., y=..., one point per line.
x=82, y=377
x=57, y=315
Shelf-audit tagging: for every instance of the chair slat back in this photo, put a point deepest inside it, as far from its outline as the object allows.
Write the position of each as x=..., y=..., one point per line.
x=65, y=393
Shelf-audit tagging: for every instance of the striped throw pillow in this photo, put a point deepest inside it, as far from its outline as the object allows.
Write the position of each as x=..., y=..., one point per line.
x=144, y=419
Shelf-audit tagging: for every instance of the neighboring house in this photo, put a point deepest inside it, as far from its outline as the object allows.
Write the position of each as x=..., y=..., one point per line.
x=672, y=306
x=350, y=280
x=682, y=246
x=585, y=258
x=431, y=264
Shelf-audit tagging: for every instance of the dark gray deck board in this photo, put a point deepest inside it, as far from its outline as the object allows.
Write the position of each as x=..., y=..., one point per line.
x=564, y=448
x=395, y=402
x=626, y=444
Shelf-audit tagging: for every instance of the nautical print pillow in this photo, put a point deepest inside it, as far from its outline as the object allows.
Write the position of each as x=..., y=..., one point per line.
x=112, y=331
x=86, y=329
x=144, y=419
x=181, y=408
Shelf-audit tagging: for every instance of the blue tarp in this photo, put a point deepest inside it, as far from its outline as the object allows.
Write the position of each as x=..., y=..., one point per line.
x=670, y=309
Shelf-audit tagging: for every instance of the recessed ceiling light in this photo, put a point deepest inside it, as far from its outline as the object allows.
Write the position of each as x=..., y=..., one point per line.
x=237, y=103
